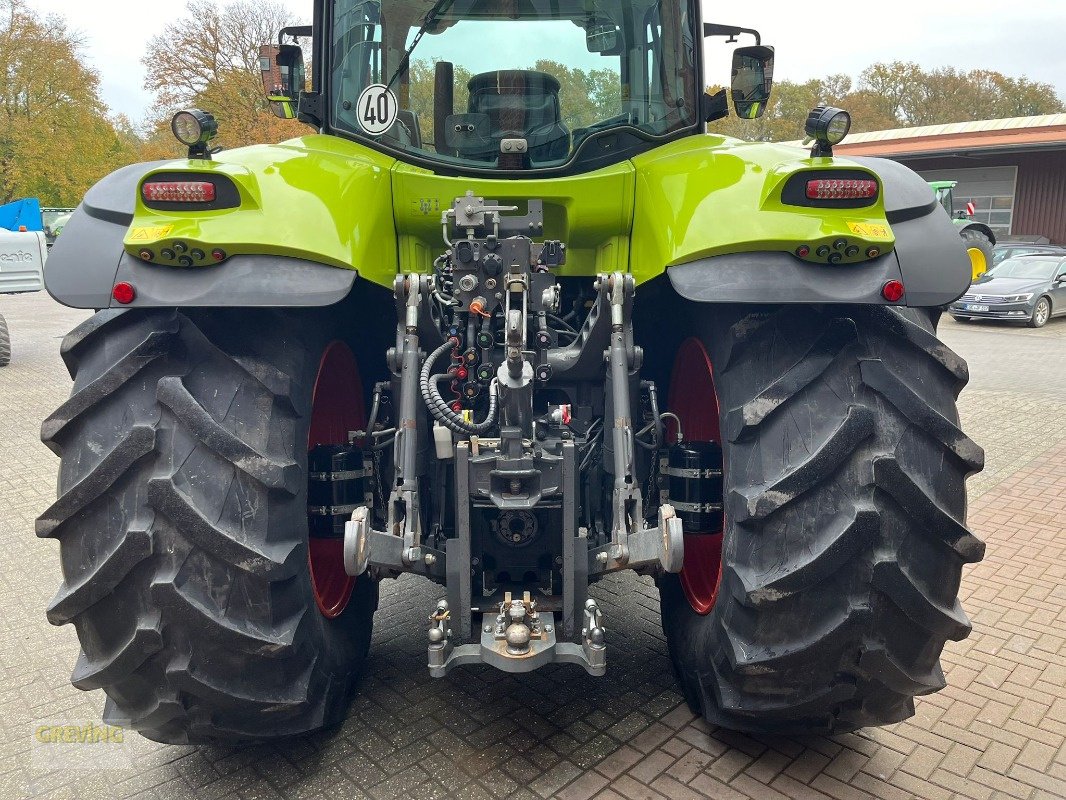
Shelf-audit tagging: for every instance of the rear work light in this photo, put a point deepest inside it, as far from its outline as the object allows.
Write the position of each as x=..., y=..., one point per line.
x=841, y=189
x=179, y=192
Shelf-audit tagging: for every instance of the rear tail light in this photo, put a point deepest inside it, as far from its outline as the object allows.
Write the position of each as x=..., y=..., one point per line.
x=179, y=192
x=841, y=189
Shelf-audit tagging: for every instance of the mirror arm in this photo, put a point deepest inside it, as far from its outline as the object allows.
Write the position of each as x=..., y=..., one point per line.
x=729, y=31
x=310, y=109
x=295, y=31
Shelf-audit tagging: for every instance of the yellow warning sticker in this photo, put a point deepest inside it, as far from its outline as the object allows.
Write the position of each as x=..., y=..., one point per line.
x=870, y=230
x=150, y=234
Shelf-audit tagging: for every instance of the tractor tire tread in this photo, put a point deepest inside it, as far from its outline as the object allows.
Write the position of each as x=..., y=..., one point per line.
x=5, y=343
x=842, y=563
x=193, y=606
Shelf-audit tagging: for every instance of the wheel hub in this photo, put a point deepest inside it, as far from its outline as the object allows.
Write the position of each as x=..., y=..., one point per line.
x=694, y=398
x=337, y=408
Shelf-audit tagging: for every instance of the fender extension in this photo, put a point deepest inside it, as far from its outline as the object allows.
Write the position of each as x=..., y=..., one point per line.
x=929, y=258
x=89, y=259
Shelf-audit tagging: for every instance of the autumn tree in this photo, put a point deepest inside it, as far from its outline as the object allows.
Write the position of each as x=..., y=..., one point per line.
x=209, y=59
x=932, y=97
x=56, y=138
x=898, y=94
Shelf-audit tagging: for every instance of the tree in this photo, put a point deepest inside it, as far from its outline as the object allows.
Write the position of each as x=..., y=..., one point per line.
x=899, y=94
x=915, y=96
x=56, y=138
x=210, y=59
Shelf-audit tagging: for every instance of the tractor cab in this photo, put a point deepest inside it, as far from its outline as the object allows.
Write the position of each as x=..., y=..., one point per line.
x=477, y=86
x=945, y=195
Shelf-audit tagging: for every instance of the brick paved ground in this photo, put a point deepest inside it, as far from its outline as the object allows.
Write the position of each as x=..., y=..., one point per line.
x=998, y=730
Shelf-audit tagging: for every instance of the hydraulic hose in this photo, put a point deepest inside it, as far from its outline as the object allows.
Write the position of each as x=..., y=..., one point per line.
x=440, y=409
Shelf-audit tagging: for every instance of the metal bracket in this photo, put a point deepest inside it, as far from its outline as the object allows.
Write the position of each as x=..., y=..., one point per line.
x=662, y=547
x=365, y=547
x=516, y=653
x=632, y=545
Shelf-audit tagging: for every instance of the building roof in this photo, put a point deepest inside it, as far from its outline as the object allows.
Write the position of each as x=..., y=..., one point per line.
x=992, y=135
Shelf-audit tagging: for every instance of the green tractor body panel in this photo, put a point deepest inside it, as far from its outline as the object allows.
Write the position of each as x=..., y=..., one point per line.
x=319, y=198
x=711, y=195
x=332, y=201
x=591, y=212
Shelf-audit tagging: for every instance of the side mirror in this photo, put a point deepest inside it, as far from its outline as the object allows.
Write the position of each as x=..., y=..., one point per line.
x=753, y=78
x=601, y=37
x=285, y=79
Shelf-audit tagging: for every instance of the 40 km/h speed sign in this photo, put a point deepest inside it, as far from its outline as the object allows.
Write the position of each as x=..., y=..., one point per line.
x=376, y=109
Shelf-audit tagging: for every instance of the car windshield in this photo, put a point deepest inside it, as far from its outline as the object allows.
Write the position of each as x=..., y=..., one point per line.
x=50, y=216
x=1027, y=268
x=510, y=84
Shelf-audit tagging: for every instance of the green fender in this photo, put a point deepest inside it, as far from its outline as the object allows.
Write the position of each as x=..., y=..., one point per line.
x=305, y=217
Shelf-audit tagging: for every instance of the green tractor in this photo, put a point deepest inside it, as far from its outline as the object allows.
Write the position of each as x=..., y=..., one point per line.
x=512, y=334
x=978, y=237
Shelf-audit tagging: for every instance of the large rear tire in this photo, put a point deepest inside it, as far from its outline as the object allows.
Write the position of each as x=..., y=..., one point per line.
x=182, y=522
x=5, y=343
x=844, y=535
x=980, y=250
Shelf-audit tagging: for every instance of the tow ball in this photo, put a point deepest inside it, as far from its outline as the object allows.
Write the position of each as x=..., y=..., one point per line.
x=519, y=639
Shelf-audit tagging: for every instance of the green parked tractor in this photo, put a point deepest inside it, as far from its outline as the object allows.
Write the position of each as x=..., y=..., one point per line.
x=978, y=237
x=511, y=341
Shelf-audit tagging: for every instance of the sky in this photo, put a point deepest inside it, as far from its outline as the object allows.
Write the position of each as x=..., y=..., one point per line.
x=812, y=39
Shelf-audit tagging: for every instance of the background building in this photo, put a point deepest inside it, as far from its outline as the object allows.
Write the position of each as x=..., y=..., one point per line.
x=1012, y=170
x=268, y=55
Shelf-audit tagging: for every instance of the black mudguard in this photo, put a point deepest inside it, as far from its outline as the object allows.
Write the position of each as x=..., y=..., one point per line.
x=929, y=258
x=89, y=259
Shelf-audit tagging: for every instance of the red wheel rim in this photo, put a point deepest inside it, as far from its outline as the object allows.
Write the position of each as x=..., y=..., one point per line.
x=694, y=398
x=336, y=408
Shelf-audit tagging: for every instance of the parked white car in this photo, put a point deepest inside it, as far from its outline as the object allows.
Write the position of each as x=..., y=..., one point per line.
x=22, y=257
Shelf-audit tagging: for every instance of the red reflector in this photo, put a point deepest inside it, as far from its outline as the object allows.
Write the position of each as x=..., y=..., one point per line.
x=892, y=291
x=179, y=192
x=841, y=189
x=124, y=293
